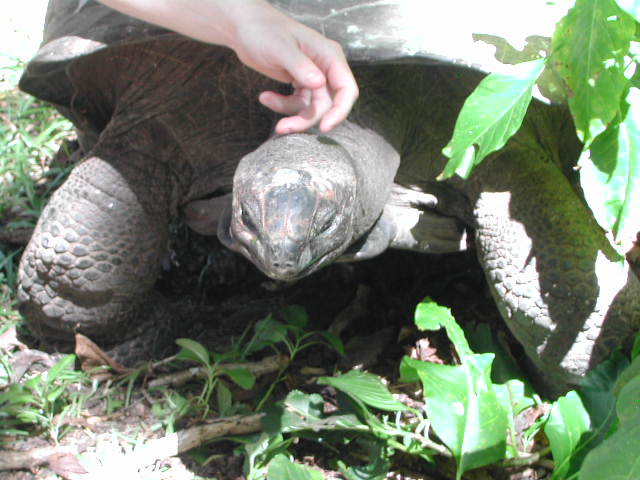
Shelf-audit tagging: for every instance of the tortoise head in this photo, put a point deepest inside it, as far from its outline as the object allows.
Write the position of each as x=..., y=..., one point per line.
x=293, y=205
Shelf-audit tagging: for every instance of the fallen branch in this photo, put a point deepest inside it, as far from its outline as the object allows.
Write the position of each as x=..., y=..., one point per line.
x=157, y=449
x=265, y=366
x=184, y=440
x=20, y=460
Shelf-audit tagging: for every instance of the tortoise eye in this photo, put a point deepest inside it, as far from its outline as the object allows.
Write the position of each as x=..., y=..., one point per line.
x=247, y=220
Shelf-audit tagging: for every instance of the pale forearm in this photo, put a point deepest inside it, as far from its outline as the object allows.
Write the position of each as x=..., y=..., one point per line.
x=211, y=21
x=271, y=43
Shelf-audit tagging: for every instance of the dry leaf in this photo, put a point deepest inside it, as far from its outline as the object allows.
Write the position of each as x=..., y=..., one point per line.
x=92, y=356
x=67, y=466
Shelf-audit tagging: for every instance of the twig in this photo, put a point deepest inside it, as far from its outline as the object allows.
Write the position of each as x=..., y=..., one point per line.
x=167, y=446
x=184, y=440
x=525, y=459
x=266, y=365
x=17, y=460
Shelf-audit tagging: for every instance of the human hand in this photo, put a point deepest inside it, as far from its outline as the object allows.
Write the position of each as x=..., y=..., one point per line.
x=285, y=50
x=268, y=41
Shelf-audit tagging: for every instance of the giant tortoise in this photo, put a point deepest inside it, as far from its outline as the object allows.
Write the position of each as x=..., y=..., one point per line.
x=304, y=200
x=161, y=120
x=165, y=120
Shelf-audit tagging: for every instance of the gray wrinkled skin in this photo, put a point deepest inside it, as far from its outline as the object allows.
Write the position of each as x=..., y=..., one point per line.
x=552, y=273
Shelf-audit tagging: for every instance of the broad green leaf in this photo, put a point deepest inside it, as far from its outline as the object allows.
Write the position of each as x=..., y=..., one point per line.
x=628, y=405
x=431, y=316
x=224, y=398
x=333, y=340
x=610, y=173
x=490, y=116
x=281, y=468
x=297, y=411
x=589, y=48
x=625, y=377
x=300, y=411
x=377, y=469
x=632, y=7
x=266, y=333
x=367, y=388
x=464, y=411
x=295, y=315
x=193, y=350
x=504, y=368
x=241, y=376
x=635, y=350
x=568, y=422
x=597, y=394
x=617, y=457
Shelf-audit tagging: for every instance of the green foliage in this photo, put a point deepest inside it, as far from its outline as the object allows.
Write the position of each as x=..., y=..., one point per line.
x=460, y=400
x=282, y=468
x=367, y=388
x=268, y=333
x=595, y=54
x=43, y=400
x=589, y=49
x=567, y=423
x=30, y=134
x=617, y=456
x=489, y=117
x=469, y=414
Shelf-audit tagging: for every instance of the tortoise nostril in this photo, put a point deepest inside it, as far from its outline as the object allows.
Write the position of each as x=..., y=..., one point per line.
x=284, y=265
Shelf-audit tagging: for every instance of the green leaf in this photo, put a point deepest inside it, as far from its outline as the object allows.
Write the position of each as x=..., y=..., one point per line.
x=490, y=116
x=617, y=457
x=53, y=395
x=367, y=388
x=597, y=394
x=193, y=351
x=628, y=405
x=464, y=410
x=635, y=350
x=376, y=469
x=241, y=376
x=431, y=316
x=632, y=7
x=295, y=315
x=224, y=398
x=300, y=411
x=333, y=340
x=482, y=339
x=589, y=45
x=63, y=364
x=610, y=173
x=568, y=422
x=267, y=332
x=281, y=468
x=513, y=399
x=625, y=377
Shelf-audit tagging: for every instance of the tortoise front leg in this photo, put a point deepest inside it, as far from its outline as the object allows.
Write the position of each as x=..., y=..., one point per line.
x=96, y=251
x=558, y=284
